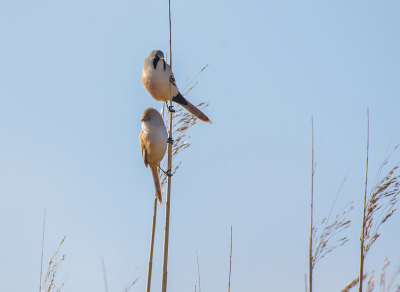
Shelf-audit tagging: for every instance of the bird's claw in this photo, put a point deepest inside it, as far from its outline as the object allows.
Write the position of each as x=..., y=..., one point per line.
x=167, y=173
x=170, y=107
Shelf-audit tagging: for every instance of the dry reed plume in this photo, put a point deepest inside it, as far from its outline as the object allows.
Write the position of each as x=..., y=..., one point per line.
x=323, y=242
x=378, y=207
x=384, y=285
x=184, y=122
x=383, y=196
x=352, y=284
x=370, y=282
x=54, y=265
x=389, y=286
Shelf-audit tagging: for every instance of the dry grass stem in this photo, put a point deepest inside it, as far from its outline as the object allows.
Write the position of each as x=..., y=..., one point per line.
x=104, y=274
x=198, y=270
x=352, y=284
x=324, y=237
x=324, y=242
x=379, y=206
x=130, y=284
x=361, y=272
x=187, y=82
x=383, y=198
x=305, y=281
x=310, y=247
x=230, y=265
x=41, y=259
x=54, y=265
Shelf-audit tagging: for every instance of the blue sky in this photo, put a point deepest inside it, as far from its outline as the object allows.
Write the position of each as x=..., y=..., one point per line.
x=71, y=100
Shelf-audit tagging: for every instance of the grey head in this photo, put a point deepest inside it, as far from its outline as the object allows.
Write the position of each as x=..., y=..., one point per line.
x=154, y=57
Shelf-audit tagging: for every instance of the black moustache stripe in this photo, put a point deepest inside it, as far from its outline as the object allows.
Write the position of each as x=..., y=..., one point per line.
x=155, y=61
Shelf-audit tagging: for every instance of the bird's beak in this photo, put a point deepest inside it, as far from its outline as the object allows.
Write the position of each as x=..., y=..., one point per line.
x=161, y=58
x=143, y=120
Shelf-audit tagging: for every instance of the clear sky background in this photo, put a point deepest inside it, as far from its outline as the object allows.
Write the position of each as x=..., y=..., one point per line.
x=71, y=100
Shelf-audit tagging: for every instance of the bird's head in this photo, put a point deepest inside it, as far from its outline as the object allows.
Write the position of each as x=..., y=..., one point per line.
x=158, y=54
x=155, y=56
x=151, y=115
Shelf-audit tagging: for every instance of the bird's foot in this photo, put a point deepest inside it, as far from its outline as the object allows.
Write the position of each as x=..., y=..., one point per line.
x=169, y=140
x=167, y=173
x=170, y=107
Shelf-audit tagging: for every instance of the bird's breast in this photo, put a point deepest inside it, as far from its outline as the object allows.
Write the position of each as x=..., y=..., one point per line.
x=156, y=143
x=157, y=83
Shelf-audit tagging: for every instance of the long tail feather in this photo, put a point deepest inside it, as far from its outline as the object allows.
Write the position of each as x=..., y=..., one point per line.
x=156, y=180
x=183, y=102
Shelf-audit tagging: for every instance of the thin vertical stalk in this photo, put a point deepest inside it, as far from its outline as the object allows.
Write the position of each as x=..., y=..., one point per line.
x=167, y=201
x=305, y=281
x=153, y=228
x=104, y=274
x=310, y=267
x=41, y=260
x=360, y=277
x=170, y=46
x=230, y=265
x=198, y=270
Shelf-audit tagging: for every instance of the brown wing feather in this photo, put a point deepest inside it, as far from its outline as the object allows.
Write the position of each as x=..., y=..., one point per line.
x=143, y=148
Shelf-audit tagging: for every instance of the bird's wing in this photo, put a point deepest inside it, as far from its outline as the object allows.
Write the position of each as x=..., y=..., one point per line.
x=172, y=80
x=143, y=148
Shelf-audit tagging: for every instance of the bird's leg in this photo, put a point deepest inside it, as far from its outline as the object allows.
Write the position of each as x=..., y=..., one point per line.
x=167, y=173
x=170, y=108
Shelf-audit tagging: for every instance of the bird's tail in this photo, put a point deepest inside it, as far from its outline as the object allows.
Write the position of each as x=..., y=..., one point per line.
x=156, y=180
x=183, y=102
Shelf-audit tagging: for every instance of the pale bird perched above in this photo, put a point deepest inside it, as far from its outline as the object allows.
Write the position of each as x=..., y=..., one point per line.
x=153, y=142
x=159, y=81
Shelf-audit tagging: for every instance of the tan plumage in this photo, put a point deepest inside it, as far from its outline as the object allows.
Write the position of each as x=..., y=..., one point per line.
x=153, y=143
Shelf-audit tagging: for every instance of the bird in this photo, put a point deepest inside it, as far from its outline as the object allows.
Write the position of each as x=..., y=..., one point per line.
x=159, y=81
x=153, y=142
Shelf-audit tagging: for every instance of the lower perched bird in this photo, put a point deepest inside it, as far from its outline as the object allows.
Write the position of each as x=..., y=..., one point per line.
x=159, y=81
x=153, y=141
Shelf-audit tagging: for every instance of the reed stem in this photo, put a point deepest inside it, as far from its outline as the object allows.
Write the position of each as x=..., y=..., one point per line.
x=230, y=265
x=153, y=228
x=104, y=274
x=41, y=259
x=310, y=263
x=363, y=221
x=168, y=197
